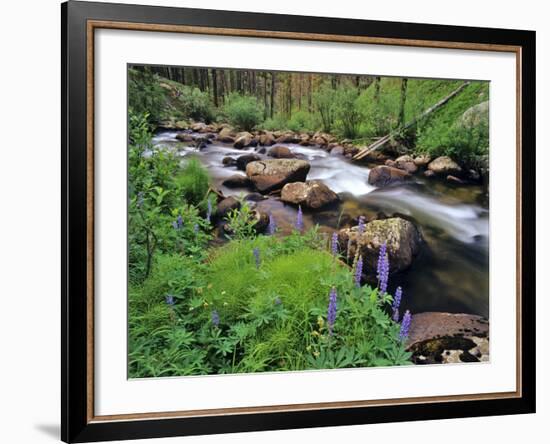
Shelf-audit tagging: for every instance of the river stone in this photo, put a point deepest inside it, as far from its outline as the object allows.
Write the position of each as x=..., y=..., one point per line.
x=198, y=127
x=236, y=181
x=273, y=174
x=245, y=159
x=436, y=337
x=406, y=163
x=288, y=137
x=184, y=137
x=267, y=139
x=402, y=242
x=337, y=150
x=454, y=180
x=311, y=194
x=226, y=205
x=229, y=161
x=242, y=140
x=281, y=152
x=383, y=175
x=262, y=220
x=430, y=325
x=444, y=165
x=422, y=160
x=226, y=135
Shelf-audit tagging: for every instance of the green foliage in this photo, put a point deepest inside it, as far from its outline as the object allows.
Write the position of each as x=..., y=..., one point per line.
x=302, y=121
x=145, y=95
x=323, y=100
x=271, y=317
x=346, y=111
x=243, y=112
x=241, y=223
x=193, y=182
x=194, y=104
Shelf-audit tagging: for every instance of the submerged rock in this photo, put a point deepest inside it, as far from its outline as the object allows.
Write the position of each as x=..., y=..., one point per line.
x=383, y=175
x=402, y=240
x=444, y=165
x=184, y=137
x=226, y=205
x=312, y=194
x=436, y=337
x=245, y=159
x=281, y=152
x=243, y=140
x=236, y=181
x=273, y=174
x=406, y=163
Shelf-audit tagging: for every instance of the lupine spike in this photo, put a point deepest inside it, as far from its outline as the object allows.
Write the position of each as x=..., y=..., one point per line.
x=215, y=318
x=383, y=269
x=299, y=225
x=169, y=299
x=405, y=326
x=334, y=244
x=358, y=272
x=272, y=227
x=179, y=221
x=256, y=253
x=396, y=303
x=331, y=312
x=361, y=225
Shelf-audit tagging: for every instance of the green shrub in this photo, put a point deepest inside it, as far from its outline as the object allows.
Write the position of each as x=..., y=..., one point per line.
x=346, y=111
x=193, y=182
x=194, y=104
x=323, y=100
x=243, y=112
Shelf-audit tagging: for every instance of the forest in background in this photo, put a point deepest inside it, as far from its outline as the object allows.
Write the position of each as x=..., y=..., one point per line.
x=360, y=108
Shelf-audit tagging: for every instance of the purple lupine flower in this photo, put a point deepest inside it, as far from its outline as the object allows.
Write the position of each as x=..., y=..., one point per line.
x=209, y=211
x=278, y=301
x=358, y=272
x=175, y=225
x=272, y=227
x=405, y=326
x=169, y=299
x=334, y=244
x=383, y=269
x=331, y=312
x=299, y=224
x=196, y=228
x=361, y=225
x=140, y=199
x=256, y=252
x=396, y=303
x=215, y=318
x=180, y=221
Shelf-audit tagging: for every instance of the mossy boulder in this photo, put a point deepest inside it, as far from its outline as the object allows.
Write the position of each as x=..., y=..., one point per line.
x=313, y=194
x=402, y=240
x=273, y=174
x=383, y=175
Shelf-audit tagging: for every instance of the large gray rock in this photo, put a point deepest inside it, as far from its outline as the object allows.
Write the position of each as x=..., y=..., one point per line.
x=402, y=240
x=383, y=175
x=312, y=194
x=273, y=174
x=226, y=135
x=444, y=166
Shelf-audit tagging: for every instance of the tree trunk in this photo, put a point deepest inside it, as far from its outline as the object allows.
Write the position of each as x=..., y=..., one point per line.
x=377, y=89
x=272, y=101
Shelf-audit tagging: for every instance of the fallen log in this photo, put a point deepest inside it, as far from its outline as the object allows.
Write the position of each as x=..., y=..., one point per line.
x=382, y=141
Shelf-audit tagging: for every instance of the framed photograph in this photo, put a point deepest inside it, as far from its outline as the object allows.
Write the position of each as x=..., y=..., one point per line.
x=275, y=221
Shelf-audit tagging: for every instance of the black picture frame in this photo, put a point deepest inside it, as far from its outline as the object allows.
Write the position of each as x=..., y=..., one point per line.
x=76, y=423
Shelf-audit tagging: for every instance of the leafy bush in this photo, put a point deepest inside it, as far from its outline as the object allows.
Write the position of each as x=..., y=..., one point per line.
x=323, y=100
x=193, y=182
x=346, y=111
x=240, y=222
x=243, y=112
x=194, y=104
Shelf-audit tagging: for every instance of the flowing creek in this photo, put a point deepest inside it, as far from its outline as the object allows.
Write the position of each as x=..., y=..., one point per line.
x=451, y=272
